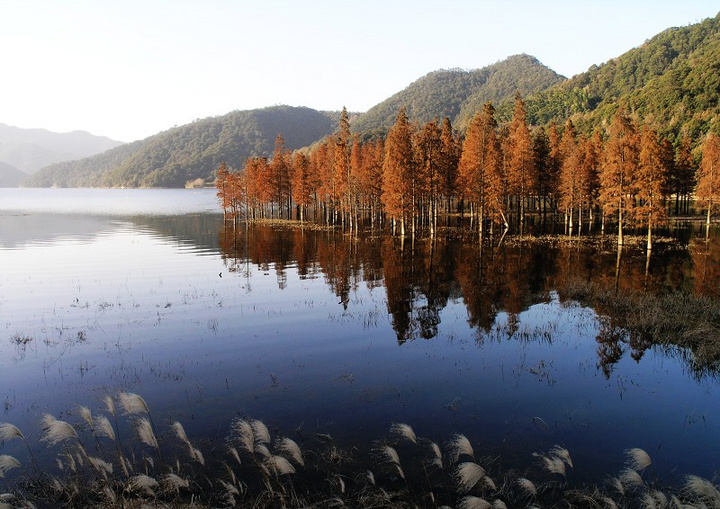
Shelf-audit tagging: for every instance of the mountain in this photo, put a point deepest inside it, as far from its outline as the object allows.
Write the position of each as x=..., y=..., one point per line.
x=195, y=150
x=458, y=94
x=671, y=81
x=10, y=176
x=31, y=149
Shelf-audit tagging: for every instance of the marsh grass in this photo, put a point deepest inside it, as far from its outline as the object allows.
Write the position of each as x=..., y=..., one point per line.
x=255, y=468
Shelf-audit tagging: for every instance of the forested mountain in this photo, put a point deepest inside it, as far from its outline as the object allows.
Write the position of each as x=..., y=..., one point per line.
x=672, y=81
x=458, y=93
x=195, y=150
x=29, y=150
x=10, y=176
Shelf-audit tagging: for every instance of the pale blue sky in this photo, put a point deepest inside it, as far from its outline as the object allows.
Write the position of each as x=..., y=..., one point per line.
x=128, y=69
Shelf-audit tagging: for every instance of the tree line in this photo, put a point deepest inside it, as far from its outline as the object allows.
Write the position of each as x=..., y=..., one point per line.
x=624, y=173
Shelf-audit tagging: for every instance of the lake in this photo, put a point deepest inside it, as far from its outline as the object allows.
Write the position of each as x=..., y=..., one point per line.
x=318, y=333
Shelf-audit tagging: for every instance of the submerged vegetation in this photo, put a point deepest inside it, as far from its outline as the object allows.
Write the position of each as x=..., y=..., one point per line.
x=254, y=467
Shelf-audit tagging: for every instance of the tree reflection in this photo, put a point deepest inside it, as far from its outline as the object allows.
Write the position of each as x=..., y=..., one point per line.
x=421, y=277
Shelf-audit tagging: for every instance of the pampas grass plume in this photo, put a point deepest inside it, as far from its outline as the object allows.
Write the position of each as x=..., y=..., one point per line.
x=630, y=479
x=146, y=434
x=499, y=504
x=527, y=486
x=86, y=415
x=474, y=503
x=261, y=432
x=291, y=448
x=56, y=431
x=180, y=433
x=133, y=404
x=702, y=488
x=468, y=474
x=460, y=445
x=437, y=454
x=103, y=426
x=242, y=431
x=563, y=454
x=403, y=430
x=9, y=431
x=173, y=482
x=7, y=463
x=110, y=405
x=282, y=466
x=144, y=483
x=391, y=454
x=637, y=459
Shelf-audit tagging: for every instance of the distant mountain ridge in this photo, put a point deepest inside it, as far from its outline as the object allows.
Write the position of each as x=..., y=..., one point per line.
x=173, y=157
x=28, y=150
x=458, y=94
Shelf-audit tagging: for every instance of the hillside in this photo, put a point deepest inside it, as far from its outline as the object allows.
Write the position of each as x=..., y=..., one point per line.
x=457, y=93
x=672, y=81
x=10, y=176
x=195, y=150
x=29, y=150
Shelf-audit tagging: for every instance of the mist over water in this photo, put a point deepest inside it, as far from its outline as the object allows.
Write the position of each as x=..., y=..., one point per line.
x=146, y=291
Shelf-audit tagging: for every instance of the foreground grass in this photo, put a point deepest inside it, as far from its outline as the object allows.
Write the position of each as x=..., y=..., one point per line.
x=254, y=469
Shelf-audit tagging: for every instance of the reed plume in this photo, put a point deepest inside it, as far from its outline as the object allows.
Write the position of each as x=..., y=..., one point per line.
x=437, y=454
x=637, y=459
x=146, y=434
x=563, y=454
x=56, y=431
x=260, y=432
x=104, y=428
x=630, y=479
x=527, y=486
x=468, y=474
x=7, y=463
x=110, y=404
x=86, y=415
x=702, y=489
x=132, y=403
x=173, y=482
x=144, y=483
x=291, y=448
x=470, y=502
x=281, y=466
x=403, y=430
x=241, y=430
x=9, y=432
x=459, y=446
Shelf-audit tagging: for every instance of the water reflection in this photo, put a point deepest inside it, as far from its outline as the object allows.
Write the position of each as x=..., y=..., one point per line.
x=421, y=277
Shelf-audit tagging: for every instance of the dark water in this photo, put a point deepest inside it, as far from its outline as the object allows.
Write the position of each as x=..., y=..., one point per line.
x=145, y=291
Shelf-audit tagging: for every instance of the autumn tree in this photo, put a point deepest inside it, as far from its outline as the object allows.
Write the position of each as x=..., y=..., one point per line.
x=302, y=183
x=708, y=179
x=428, y=155
x=222, y=182
x=650, y=180
x=280, y=177
x=521, y=175
x=569, y=186
x=449, y=159
x=398, y=168
x=620, y=160
x=683, y=178
x=479, y=169
x=589, y=184
x=342, y=191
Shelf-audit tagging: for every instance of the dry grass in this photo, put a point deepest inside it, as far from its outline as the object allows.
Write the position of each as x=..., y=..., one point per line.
x=256, y=469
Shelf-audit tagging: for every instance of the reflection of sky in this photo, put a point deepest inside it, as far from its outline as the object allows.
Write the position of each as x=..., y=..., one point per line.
x=124, y=308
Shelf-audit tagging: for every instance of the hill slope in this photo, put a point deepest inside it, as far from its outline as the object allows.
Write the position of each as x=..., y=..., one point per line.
x=10, y=176
x=195, y=150
x=458, y=93
x=673, y=81
x=31, y=149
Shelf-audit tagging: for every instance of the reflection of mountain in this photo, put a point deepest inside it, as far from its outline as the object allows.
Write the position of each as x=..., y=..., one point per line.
x=421, y=278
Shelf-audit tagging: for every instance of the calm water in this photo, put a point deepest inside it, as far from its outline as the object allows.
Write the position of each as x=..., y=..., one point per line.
x=144, y=291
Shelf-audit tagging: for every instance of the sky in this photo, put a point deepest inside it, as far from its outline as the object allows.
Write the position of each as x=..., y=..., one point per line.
x=128, y=69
